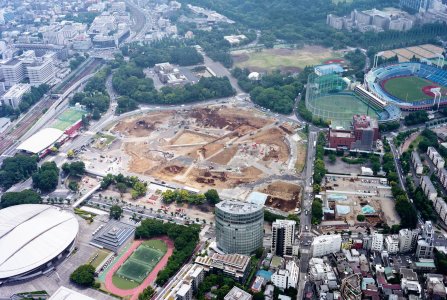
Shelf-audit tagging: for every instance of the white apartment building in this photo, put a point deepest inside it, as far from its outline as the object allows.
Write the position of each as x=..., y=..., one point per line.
x=442, y=175
x=407, y=240
x=13, y=72
x=182, y=285
x=441, y=208
x=288, y=277
x=326, y=244
x=428, y=188
x=392, y=244
x=377, y=242
x=283, y=237
x=417, y=164
x=435, y=157
x=14, y=95
x=425, y=245
x=40, y=72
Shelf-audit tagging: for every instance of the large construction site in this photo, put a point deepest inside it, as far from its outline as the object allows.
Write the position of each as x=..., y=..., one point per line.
x=215, y=146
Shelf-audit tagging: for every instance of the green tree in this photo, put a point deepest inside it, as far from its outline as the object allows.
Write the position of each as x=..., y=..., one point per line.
x=23, y=197
x=212, y=197
x=116, y=212
x=84, y=275
x=146, y=294
x=121, y=187
x=17, y=168
x=360, y=218
x=47, y=177
x=332, y=158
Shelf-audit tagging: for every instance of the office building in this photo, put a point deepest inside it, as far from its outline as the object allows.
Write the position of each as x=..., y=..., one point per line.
x=239, y=227
x=283, y=237
x=14, y=95
x=377, y=242
x=417, y=164
x=362, y=136
x=235, y=266
x=287, y=277
x=13, y=72
x=407, y=240
x=326, y=244
x=392, y=244
x=183, y=284
x=425, y=245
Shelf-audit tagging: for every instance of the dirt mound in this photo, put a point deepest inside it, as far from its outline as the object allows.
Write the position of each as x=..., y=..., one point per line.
x=225, y=156
x=282, y=195
x=141, y=126
x=174, y=169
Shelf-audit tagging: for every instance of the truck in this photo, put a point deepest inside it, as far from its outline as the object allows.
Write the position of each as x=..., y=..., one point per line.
x=315, y=143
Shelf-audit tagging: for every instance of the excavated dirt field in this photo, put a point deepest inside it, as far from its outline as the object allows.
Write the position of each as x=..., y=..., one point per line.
x=212, y=146
x=282, y=195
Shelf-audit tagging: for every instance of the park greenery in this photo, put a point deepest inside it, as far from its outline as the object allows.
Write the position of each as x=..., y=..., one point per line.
x=403, y=206
x=46, y=178
x=116, y=212
x=183, y=196
x=274, y=91
x=22, y=197
x=317, y=211
x=94, y=97
x=85, y=17
x=123, y=183
x=219, y=285
x=417, y=117
x=428, y=139
x=131, y=84
x=212, y=197
x=74, y=169
x=146, y=294
x=402, y=136
x=84, y=276
x=16, y=169
x=185, y=240
x=28, y=100
x=271, y=217
x=357, y=64
x=319, y=167
x=304, y=22
x=76, y=61
x=167, y=50
x=440, y=261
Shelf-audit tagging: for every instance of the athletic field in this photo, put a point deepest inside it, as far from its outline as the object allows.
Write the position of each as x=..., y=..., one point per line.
x=138, y=266
x=409, y=89
x=67, y=118
x=339, y=108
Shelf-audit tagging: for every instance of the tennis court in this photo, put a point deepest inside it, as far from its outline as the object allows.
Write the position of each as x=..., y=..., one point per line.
x=138, y=266
x=67, y=118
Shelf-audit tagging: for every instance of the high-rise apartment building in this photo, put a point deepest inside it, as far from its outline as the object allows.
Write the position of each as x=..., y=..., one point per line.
x=283, y=237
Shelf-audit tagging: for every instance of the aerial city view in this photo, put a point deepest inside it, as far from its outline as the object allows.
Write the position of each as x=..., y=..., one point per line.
x=223, y=149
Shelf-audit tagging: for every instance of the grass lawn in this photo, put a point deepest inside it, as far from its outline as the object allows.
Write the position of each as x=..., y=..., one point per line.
x=408, y=88
x=102, y=254
x=301, y=157
x=286, y=59
x=123, y=283
x=156, y=244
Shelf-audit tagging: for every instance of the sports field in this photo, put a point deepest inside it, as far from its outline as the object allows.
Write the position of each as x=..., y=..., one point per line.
x=339, y=108
x=409, y=88
x=99, y=257
x=284, y=59
x=138, y=266
x=68, y=118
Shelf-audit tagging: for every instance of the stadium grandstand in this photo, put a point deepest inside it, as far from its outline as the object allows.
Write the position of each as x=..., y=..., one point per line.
x=33, y=239
x=410, y=85
x=41, y=142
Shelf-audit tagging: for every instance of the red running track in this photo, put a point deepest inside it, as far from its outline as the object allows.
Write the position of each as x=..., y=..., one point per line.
x=149, y=279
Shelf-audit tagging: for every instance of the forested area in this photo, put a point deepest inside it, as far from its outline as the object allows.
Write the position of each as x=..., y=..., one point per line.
x=94, y=97
x=185, y=240
x=417, y=117
x=167, y=50
x=47, y=177
x=28, y=100
x=304, y=22
x=123, y=183
x=131, y=83
x=17, y=168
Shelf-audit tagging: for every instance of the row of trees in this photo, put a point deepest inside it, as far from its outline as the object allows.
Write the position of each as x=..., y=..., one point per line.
x=417, y=117
x=183, y=196
x=16, y=169
x=74, y=169
x=123, y=183
x=23, y=197
x=185, y=240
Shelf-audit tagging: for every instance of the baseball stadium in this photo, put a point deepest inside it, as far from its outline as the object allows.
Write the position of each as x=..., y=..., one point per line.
x=335, y=98
x=409, y=85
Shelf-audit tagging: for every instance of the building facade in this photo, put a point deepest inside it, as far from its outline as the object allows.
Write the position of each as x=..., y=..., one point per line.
x=283, y=237
x=14, y=95
x=286, y=278
x=326, y=244
x=407, y=240
x=377, y=241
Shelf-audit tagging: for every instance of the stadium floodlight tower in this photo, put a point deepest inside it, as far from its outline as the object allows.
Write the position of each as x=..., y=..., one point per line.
x=437, y=92
x=376, y=59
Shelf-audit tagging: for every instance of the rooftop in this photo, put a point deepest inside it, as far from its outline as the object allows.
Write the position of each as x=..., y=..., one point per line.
x=41, y=140
x=238, y=207
x=237, y=294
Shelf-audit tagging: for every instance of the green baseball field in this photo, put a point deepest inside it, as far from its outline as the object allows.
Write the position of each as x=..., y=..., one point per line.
x=138, y=266
x=409, y=89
